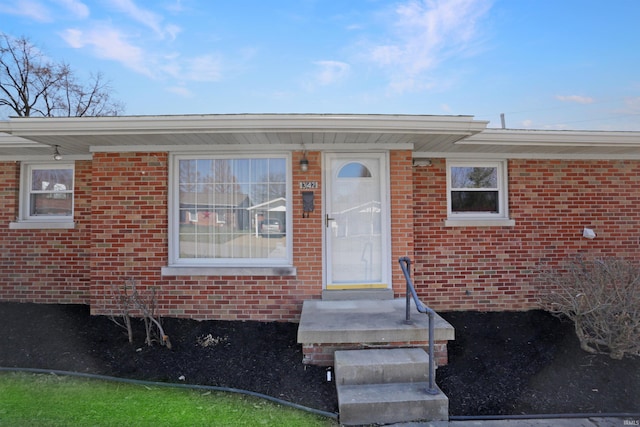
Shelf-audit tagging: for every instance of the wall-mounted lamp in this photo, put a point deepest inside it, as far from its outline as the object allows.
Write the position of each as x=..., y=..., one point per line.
x=421, y=162
x=56, y=153
x=304, y=162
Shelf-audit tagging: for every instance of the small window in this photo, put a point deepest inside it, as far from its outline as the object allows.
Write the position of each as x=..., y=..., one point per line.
x=46, y=194
x=476, y=190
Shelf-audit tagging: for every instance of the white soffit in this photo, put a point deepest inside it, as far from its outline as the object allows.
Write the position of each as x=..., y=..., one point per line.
x=541, y=138
x=515, y=143
x=274, y=131
x=427, y=136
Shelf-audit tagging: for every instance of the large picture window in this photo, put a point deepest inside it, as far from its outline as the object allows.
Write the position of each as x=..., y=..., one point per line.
x=230, y=210
x=476, y=189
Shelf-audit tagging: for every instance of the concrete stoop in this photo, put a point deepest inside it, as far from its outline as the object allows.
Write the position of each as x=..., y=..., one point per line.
x=329, y=326
x=385, y=386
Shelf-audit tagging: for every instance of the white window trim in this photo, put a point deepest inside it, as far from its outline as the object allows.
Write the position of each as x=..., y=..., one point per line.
x=25, y=220
x=481, y=219
x=245, y=266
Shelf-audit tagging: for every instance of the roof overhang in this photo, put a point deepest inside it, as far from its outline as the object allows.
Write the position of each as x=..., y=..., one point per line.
x=519, y=143
x=82, y=136
x=426, y=135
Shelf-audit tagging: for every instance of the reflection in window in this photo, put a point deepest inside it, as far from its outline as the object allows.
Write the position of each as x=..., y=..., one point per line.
x=477, y=189
x=232, y=209
x=50, y=191
x=474, y=189
x=354, y=170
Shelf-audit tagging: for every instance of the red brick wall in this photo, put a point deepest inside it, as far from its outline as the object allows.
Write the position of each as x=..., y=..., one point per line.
x=551, y=201
x=130, y=239
x=129, y=219
x=401, y=188
x=121, y=232
x=44, y=265
x=307, y=237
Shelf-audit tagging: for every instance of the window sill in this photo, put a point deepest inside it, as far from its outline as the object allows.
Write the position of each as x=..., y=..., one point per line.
x=228, y=271
x=34, y=225
x=468, y=222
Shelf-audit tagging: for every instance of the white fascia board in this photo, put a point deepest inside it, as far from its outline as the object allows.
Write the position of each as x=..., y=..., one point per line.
x=514, y=137
x=463, y=125
x=264, y=148
x=522, y=156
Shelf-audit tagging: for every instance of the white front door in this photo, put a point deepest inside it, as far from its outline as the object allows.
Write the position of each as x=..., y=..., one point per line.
x=356, y=221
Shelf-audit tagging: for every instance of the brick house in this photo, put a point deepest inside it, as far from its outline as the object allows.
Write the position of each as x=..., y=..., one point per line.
x=175, y=202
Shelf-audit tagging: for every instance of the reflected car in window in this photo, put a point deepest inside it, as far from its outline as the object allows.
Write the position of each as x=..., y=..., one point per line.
x=272, y=227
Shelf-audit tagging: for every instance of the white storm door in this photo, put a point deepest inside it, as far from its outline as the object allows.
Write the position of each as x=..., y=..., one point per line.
x=356, y=221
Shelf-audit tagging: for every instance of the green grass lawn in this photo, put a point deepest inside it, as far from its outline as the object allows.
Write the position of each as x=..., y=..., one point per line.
x=49, y=400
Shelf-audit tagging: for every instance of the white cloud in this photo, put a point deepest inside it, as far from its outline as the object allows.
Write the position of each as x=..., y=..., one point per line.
x=76, y=7
x=28, y=8
x=108, y=43
x=146, y=17
x=426, y=33
x=575, y=98
x=331, y=72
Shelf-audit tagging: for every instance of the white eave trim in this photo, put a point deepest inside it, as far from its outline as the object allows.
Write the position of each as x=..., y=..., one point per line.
x=541, y=138
x=259, y=148
x=118, y=125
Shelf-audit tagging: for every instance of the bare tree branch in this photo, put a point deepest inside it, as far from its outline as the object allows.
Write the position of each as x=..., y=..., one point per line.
x=31, y=85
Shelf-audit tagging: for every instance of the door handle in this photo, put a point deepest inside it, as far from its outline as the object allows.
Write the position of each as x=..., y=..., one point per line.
x=327, y=219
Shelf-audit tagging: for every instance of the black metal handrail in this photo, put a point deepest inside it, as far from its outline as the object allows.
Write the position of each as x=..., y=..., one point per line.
x=405, y=264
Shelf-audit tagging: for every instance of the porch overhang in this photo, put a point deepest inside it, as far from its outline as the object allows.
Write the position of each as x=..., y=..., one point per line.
x=543, y=144
x=426, y=135
x=84, y=135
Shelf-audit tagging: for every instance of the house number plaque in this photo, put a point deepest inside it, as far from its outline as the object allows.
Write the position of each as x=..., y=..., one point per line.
x=309, y=185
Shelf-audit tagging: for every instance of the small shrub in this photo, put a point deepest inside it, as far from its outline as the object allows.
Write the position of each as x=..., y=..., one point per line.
x=127, y=299
x=602, y=298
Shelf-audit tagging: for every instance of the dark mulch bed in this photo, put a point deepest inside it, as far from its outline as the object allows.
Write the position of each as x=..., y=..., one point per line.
x=500, y=363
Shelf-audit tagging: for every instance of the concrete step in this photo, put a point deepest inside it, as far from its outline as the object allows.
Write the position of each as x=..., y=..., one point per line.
x=327, y=326
x=378, y=366
x=390, y=403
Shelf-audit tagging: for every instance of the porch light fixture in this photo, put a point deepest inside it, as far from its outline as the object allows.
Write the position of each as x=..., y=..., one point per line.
x=304, y=162
x=56, y=153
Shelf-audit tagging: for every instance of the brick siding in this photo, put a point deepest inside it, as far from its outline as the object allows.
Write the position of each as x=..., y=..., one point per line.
x=551, y=201
x=122, y=232
x=131, y=240
x=44, y=266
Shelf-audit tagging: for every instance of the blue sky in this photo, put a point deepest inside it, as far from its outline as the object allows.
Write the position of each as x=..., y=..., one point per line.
x=545, y=64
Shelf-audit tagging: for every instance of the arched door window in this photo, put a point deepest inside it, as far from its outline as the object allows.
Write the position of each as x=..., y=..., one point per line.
x=354, y=170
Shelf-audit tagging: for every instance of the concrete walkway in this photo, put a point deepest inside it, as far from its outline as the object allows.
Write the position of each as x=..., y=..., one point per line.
x=551, y=422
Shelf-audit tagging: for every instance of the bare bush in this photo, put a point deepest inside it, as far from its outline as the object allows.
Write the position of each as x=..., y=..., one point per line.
x=123, y=298
x=602, y=298
x=129, y=300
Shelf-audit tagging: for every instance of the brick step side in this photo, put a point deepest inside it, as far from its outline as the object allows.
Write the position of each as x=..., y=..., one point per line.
x=322, y=354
